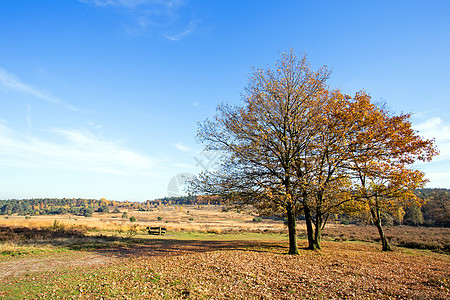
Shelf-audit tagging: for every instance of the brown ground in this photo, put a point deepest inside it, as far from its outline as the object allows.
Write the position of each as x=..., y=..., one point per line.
x=26, y=266
x=171, y=269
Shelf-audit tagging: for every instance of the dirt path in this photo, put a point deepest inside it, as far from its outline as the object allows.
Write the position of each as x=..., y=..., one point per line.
x=22, y=266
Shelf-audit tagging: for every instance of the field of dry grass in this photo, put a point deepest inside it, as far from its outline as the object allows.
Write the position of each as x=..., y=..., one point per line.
x=431, y=238
x=175, y=218
x=212, y=219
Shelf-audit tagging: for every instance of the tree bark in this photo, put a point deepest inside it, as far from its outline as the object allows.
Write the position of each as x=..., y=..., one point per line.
x=292, y=226
x=318, y=231
x=377, y=221
x=309, y=228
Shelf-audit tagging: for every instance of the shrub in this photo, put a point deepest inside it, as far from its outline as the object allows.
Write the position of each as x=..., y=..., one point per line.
x=345, y=222
x=132, y=219
x=87, y=212
x=257, y=219
x=124, y=215
x=103, y=209
x=57, y=225
x=132, y=231
x=159, y=218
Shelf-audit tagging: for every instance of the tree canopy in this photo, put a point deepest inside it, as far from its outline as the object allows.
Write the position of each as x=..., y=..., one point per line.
x=298, y=147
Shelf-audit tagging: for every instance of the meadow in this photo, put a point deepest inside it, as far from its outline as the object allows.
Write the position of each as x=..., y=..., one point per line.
x=209, y=253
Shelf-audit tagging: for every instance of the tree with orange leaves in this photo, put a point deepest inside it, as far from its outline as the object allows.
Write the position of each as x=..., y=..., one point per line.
x=261, y=141
x=383, y=178
x=296, y=147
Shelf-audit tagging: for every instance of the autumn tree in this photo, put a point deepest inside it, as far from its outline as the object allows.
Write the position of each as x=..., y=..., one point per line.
x=296, y=147
x=261, y=141
x=387, y=193
x=323, y=185
x=383, y=177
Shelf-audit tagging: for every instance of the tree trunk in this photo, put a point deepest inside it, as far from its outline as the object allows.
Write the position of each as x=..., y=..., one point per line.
x=312, y=245
x=377, y=221
x=293, y=247
x=318, y=231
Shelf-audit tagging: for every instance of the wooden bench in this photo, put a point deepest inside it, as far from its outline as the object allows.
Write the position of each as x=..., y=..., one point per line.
x=156, y=230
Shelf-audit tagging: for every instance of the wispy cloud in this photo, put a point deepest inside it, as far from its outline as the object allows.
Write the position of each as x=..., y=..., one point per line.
x=160, y=16
x=180, y=35
x=182, y=147
x=11, y=82
x=437, y=170
x=72, y=150
x=435, y=128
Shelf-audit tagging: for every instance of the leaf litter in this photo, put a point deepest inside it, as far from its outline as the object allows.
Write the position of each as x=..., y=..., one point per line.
x=340, y=270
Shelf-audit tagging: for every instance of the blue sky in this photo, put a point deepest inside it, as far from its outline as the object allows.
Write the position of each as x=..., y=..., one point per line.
x=101, y=98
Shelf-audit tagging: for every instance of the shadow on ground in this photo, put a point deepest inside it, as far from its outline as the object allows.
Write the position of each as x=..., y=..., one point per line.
x=130, y=247
x=169, y=246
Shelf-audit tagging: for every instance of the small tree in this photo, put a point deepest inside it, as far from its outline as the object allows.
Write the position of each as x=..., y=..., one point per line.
x=413, y=215
x=132, y=231
x=383, y=181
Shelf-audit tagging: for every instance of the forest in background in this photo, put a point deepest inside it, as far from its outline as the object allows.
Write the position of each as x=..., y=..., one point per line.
x=434, y=213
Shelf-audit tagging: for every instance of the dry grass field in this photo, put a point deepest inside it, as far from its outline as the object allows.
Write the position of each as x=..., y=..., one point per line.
x=206, y=218
x=208, y=254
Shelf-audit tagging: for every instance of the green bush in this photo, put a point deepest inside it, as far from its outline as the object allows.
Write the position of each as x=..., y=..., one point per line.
x=132, y=219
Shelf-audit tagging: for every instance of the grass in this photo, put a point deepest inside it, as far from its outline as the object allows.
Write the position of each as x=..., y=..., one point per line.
x=212, y=220
x=211, y=257
x=205, y=266
x=435, y=239
x=174, y=218
x=13, y=249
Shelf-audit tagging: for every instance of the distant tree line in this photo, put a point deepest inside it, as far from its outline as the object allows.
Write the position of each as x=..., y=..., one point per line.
x=185, y=200
x=86, y=207
x=435, y=212
x=55, y=206
x=51, y=206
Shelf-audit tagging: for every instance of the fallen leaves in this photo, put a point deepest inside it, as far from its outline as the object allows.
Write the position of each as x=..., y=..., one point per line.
x=341, y=270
